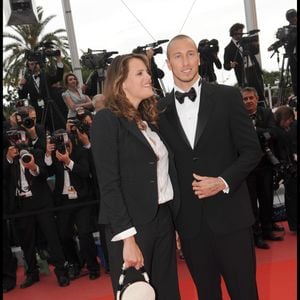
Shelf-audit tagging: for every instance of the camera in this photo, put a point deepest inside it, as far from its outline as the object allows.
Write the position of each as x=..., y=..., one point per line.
x=98, y=60
x=43, y=50
x=59, y=140
x=249, y=43
x=15, y=136
x=287, y=36
x=142, y=50
x=22, y=118
x=264, y=139
x=283, y=172
x=209, y=48
x=80, y=125
x=25, y=155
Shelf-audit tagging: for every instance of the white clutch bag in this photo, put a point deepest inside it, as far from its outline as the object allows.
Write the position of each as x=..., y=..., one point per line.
x=137, y=290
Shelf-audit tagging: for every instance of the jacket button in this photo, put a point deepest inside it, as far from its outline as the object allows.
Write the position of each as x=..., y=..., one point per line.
x=152, y=181
x=151, y=162
x=195, y=158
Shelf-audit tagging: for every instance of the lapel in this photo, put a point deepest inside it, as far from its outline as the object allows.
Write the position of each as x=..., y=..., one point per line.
x=205, y=110
x=172, y=116
x=133, y=129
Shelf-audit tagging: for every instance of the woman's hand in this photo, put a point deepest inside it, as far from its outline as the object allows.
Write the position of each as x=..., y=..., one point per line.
x=132, y=254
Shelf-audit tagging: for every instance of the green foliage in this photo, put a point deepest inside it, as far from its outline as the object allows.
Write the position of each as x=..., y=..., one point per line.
x=29, y=37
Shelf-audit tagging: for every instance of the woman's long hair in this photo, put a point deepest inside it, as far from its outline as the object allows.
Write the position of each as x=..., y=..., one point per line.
x=115, y=96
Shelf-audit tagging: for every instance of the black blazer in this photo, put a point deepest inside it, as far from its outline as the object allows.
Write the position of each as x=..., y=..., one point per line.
x=41, y=193
x=79, y=175
x=226, y=145
x=127, y=172
x=231, y=53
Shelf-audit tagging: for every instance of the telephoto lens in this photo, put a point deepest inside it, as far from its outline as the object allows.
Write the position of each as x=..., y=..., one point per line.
x=25, y=156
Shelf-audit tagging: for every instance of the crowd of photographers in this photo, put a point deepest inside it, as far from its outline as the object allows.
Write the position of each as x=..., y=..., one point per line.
x=50, y=189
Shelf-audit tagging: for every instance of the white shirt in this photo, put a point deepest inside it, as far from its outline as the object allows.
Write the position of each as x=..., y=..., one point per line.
x=188, y=113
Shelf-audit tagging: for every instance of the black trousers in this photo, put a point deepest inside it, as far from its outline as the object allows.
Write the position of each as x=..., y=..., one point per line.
x=157, y=243
x=291, y=199
x=232, y=256
x=81, y=218
x=26, y=230
x=9, y=266
x=260, y=186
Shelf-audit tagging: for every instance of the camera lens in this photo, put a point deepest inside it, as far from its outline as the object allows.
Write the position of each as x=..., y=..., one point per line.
x=28, y=122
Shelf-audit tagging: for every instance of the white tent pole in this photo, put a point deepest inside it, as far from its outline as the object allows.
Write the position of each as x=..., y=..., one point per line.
x=72, y=40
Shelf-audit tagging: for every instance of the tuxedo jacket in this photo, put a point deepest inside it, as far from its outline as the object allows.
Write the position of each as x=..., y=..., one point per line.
x=79, y=175
x=41, y=193
x=231, y=53
x=226, y=145
x=126, y=168
x=40, y=92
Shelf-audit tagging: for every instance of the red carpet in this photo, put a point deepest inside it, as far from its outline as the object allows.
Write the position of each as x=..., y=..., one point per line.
x=276, y=278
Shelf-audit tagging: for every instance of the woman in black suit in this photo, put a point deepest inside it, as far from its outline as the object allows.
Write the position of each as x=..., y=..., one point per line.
x=137, y=179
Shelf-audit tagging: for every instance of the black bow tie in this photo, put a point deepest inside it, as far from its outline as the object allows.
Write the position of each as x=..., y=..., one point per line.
x=253, y=116
x=36, y=76
x=191, y=94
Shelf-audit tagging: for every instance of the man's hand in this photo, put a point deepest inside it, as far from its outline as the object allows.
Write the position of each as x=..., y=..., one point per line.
x=63, y=157
x=204, y=186
x=12, y=152
x=83, y=137
x=233, y=64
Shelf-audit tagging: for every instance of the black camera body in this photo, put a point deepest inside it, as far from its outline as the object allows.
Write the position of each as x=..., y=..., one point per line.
x=80, y=125
x=23, y=119
x=59, y=140
x=97, y=60
x=287, y=37
x=283, y=172
x=142, y=50
x=264, y=139
x=15, y=136
x=40, y=55
x=208, y=48
x=249, y=43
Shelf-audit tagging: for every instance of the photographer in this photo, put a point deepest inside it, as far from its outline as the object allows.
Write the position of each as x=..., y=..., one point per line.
x=156, y=73
x=286, y=151
x=70, y=165
x=260, y=180
x=291, y=47
x=25, y=119
x=239, y=55
x=208, y=57
x=35, y=81
x=28, y=191
x=81, y=129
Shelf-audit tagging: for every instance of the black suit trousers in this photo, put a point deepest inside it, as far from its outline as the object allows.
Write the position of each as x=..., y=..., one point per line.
x=81, y=217
x=26, y=230
x=156, y=241
x=210, y=256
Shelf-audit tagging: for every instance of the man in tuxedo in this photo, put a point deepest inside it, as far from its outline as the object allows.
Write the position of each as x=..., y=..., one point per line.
x=28, y=191
x=215, y=147
x=36, y=83
x=239, y=55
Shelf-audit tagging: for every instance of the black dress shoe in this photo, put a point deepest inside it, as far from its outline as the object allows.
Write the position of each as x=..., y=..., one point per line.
x=276, y=227
x=63, y=280
x=261, y=244
x=94, y=275
x=74, y=271
x=29, y=281
x=270, y=236
x=8, y=287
